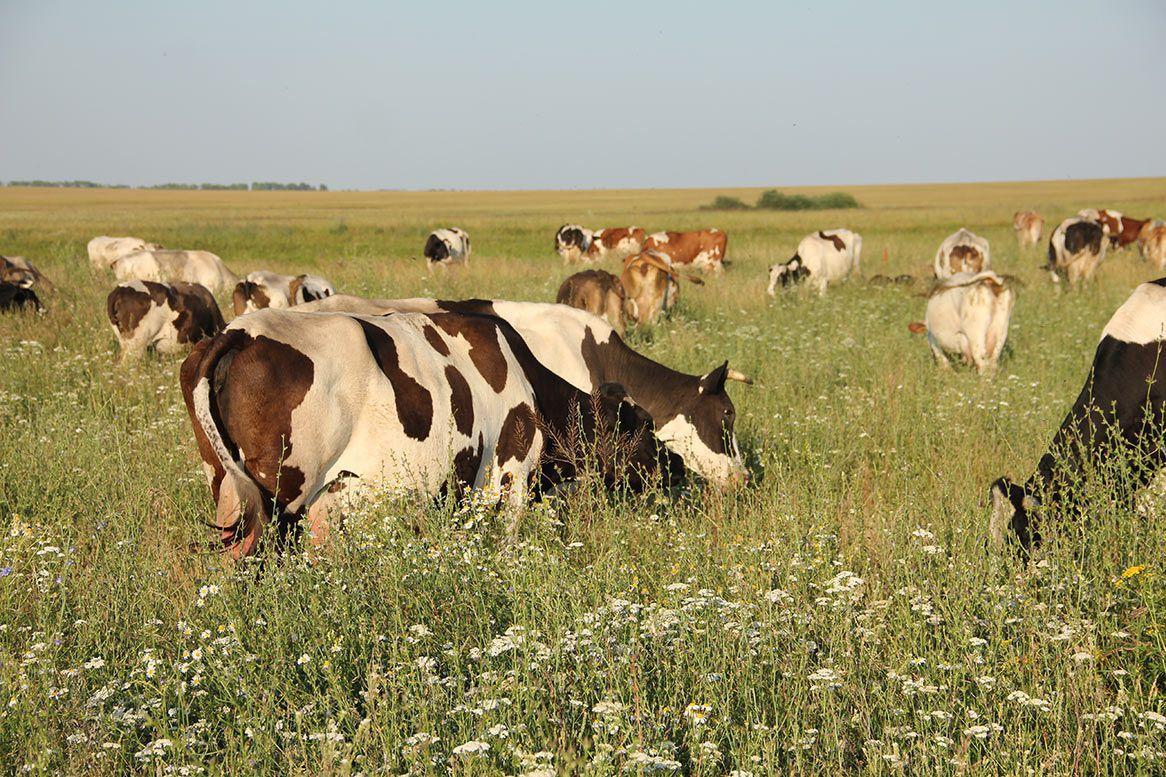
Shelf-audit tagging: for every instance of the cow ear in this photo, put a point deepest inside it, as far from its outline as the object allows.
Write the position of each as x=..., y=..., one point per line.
x=714, y=382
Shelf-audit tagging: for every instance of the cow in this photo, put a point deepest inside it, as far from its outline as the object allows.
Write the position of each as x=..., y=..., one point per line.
x=616, y=242
x=650, y=287
x=596, y=291
x=295, y=410
x=968, y=315
x=692, y=414
x=201, y=267
x=962, y=251
x=703, y=250
x=18, y=271
x=104, y=250
x=1076, y=247
x=1131, y=230
x=1152, y=243
x=1028, y=226
x=446, y=247
x=572, y=242
x=18, y=298
x=169, y=318
x=1117, y=417
x=262, y=289
x=822, y=258
x=1108, y=220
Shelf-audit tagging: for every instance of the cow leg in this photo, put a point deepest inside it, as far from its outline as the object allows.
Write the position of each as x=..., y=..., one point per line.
x=940, y=357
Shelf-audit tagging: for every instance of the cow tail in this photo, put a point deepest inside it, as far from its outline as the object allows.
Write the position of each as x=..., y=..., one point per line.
x=239, y=514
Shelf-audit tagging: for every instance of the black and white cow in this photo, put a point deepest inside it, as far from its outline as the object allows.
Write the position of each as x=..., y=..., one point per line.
x=294, y=408
x=573, y=243
x=166, y=317
x=822, y=258
x=693, y=414
x=1076, y=247
x=1120, y=410
x=445, y=247
x=14, y=298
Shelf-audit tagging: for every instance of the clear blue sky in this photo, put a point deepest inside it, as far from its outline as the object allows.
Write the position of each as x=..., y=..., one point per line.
x=555, y=95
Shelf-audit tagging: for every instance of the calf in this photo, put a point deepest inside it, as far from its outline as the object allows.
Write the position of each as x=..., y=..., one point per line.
x=596, y=291
x=617, y=242
x=446, y=247
x=1118, y=416
x=18, y=271
x=1076, y=247
x=1152, y=243
x=201, y=267
x=18, y=298
x=822, y=258
x=104, y=250
x=167, y=318
x=290, y=408
x=968, y=314
x=692, y=414
x=1028, y=226
x=262, y=289
x=703, y=250
x=961, y=251
x=572, y=242
x=650, y=287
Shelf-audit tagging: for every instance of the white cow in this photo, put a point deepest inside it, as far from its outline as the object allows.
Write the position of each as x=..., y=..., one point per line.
x=821, y=259
x=200, y=267
x=962, y=251
x=104, y=250
x=968, y=314
x=445, y=247
x=263, y=289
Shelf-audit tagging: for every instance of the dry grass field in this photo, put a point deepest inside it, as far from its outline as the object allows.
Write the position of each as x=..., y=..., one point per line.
x=841, y=613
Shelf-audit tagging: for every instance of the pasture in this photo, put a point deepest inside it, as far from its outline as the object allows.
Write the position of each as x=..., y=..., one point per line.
x=840, y=613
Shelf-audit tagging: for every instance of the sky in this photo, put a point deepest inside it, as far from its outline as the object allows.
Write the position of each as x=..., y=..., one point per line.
x=551, y=95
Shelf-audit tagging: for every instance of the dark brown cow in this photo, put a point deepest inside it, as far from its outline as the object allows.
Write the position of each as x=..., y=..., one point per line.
x=704, y=250
x=18, y=298
x=18, y=271
x=596, y=291
x=166, y=317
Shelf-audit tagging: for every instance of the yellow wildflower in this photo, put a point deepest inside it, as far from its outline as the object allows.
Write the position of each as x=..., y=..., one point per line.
x=1133, y=571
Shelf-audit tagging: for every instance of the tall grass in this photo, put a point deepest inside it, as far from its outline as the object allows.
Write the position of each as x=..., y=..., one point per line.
x=842, y=613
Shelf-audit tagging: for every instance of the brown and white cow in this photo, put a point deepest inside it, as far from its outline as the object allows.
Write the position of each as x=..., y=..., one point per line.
x=1131, y=230
x=615, y=242
x=1028, y=226
x=1076, y=247
x=1108, y=220
x=165, y=266
x=650, y=287
x=1152, y=243
x=168, y=318
x=18, y=271
x=596, y=291
x=263, y=289
x=703, y=250
x=968, y=315
x=822, y=258
x=105, y=250
x=291, y=409
x=692, y=414
x=962, y=251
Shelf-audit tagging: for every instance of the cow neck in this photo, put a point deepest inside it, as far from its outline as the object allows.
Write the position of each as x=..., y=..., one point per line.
x=650, y=384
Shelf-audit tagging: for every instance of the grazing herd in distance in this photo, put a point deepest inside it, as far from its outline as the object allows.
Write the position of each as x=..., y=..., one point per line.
x=309, y=399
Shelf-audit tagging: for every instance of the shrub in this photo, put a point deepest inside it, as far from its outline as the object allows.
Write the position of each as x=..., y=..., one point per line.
x=776, y=200
x=726, y=203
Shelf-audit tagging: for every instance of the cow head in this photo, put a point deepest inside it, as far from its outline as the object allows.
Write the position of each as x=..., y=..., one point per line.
x=786, y=274
x=643, y=460
x=1011, y=507
x=700, y=429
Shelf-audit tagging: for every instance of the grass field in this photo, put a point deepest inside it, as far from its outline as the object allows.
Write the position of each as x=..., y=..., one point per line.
x=839, y=614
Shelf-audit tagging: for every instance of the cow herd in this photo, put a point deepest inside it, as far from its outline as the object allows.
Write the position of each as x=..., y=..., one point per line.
x=309, y=400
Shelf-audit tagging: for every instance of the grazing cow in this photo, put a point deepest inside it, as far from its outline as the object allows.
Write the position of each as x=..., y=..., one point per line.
x=650, y=287
x=168, y=318
x=572, y=242
x=104, y=251
x=692, y=414
x=292, y=408
x=201, y=267
x=968, y=314
x=1028, y=226
x=446, y=247
x=18, y=271
x=596, y=291
x=15, y=298
x=1131, y=230
x=617, y=242
x=1117, y=417
x=262, y=289
x=1152, y=243
x=962, y=251
x=822, y=258
x=704, y=250
x=1076, y=247
x=1108, y=220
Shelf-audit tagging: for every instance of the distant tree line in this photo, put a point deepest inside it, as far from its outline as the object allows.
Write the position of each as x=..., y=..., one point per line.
x=258, y=186
x=772, y=199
